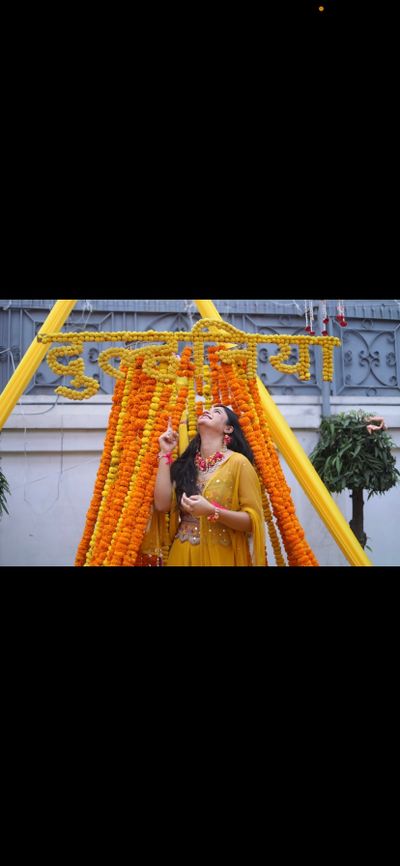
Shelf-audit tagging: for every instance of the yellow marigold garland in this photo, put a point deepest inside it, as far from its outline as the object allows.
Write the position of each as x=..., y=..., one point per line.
x=207, y=387
x=75, y=369
x=192, y=417
x=203, y=332
x=184, y=372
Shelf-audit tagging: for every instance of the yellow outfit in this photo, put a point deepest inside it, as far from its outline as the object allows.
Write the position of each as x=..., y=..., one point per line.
x=201, y=542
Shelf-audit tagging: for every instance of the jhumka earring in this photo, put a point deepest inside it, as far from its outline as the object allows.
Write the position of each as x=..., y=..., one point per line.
x=227, y=439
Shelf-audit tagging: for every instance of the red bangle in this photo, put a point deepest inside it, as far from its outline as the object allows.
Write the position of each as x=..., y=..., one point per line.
x=168, y=457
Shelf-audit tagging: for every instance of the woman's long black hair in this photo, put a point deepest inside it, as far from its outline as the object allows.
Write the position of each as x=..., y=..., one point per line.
x=183, y=471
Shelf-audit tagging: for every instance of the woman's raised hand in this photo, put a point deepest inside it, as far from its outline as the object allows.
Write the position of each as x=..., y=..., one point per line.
x=168, y=440
x=371, y=427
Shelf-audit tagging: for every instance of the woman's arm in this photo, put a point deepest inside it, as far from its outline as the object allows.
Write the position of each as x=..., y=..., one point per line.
x=201, y=507
x=163, y=485
x=239, y=520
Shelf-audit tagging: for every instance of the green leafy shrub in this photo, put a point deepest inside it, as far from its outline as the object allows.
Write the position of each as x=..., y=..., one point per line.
x=347, y=456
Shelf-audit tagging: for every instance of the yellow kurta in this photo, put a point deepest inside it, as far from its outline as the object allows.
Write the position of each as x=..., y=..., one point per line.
x=234, y=485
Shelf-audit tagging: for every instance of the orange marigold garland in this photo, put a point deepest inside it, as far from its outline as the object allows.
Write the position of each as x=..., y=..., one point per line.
x=192, y=417
x=185, y=371
x=223, y=382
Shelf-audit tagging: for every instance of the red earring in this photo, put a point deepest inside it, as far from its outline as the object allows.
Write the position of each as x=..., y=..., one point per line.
x=227, y=439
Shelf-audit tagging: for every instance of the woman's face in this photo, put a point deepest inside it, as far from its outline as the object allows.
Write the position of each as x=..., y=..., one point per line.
x=214, y=419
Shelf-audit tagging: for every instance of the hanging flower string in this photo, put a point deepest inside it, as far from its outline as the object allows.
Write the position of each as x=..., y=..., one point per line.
x=101, y=475
x=192, y=417
x=136, y=410
x=340, y=315
x=208, y=401
x=131, y=526
x=309, y=316
x=212, y=357
x=325, y=319
x=134, y=418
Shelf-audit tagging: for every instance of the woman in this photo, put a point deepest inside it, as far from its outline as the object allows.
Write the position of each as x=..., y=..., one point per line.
x=213, y=495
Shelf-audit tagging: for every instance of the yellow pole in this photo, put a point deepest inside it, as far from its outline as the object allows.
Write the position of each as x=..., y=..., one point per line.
x=33, y=357
x=302, y=467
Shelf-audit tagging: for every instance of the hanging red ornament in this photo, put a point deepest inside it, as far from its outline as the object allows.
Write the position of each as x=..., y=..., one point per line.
x=341, y=317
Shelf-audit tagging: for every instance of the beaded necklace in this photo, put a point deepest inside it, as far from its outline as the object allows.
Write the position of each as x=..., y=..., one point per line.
x=205, y=463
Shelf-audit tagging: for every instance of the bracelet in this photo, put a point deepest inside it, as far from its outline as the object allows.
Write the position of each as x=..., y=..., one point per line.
x=214, y=517
x=168, y=456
